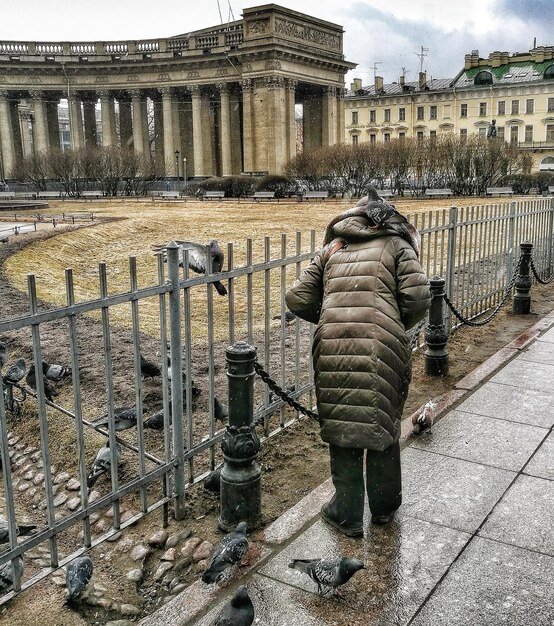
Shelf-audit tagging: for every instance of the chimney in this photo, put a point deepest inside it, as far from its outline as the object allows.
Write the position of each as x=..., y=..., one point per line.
x=402, y=80
x=422, y=81
x=379, y=84
x=356, y=85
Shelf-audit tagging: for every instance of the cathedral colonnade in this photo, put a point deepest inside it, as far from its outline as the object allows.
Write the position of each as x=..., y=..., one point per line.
x=219, y=101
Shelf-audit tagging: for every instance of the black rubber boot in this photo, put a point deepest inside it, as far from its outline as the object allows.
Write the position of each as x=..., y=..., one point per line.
x=384, y=483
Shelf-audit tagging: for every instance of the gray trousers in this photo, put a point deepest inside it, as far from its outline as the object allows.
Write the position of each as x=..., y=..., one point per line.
x=383, y=482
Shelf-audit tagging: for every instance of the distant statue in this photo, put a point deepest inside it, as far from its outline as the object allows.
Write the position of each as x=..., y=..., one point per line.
x=491, y=131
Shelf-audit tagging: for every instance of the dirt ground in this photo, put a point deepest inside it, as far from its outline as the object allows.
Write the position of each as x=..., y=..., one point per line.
x=293, y=462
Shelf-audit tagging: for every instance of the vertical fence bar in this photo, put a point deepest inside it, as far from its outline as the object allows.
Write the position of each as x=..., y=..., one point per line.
x=283, y=322
x=459, y=268
x=267, y=313
x=43, y=420
x=511, y=242
x=211, y=368
x=550, y=235
x=176, y=379
x=450, y=259
x=249, y=293
x=109, y=393
x=78, y=409
x=311, y=327
x=231, y=294
x=188, y=362
x=297, y=271
x=138, y=386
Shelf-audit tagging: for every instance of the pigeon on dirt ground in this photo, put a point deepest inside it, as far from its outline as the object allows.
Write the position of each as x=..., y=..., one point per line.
x=328, y=572
x=6, y=574
x=149, y=369
x=229, y=551
x=22, y=530
x=31, y=380
x=56, y=373
x=424, y=419
x=2, y=354
x=238, y=612
x=212, y=482
x=77, y=575
x=198, y=258
x=221, y=411
x=124, y=418
x=288, y=317
x=15, y=373
x=102, y=463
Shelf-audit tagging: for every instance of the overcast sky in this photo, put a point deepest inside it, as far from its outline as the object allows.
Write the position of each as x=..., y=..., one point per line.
x=389, y=32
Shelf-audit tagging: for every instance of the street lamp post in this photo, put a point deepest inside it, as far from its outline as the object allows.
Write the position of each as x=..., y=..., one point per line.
x=177, y=167
x=185, y=170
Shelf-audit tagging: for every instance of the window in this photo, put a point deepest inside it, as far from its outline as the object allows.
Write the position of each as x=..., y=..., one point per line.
x=354, y=140
x=549, y=72
x=354, y=117
x=483, y=78
x=446, y=112
x=463, y=133
x=482, y=109
x=419, y=135
x=387, y=115
x=515, y=107
x=514, y=134
x=420, y=113
x=550, y=133
x=402, y=113
x=502, y=107
x=372, y=116
x=528, y=134
x=482, y=133
x=500, y=132
x=550, y=105
x=463, y=110
x=387, y=136
x=402, y=135
x=433, y=112
x=372, y=138
x=529, y=106
x=432, y=135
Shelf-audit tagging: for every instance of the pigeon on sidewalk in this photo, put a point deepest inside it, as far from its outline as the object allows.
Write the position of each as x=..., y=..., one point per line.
x=229, y=551
x=6, y=574
x=238, y=612
x=329, y=572
x=424, y=419
x=77, y=575
x=21, y=530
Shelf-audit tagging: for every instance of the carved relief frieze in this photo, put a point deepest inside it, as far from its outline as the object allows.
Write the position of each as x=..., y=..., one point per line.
x=193, y=74
x=258, y=27
x=34, y=80
x=307, y=33
x=133, y=78
x=247, y=67
x=272, y=64
x=102, y=80
x=221, y=71
x=163, y=77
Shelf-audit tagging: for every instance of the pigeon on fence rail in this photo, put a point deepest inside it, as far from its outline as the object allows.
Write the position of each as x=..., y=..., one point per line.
x=124, y=418
x=77, y=576
x=21, y=530
x=102, y=463
x=31, y=380
x=238, y=612
x=229, y=551
x=15, y=373
x=328, y=572
x=57, y=373
x=6, y=574
x=149, y=369
x=2, y=354
x=423, y=420
x=198, y=258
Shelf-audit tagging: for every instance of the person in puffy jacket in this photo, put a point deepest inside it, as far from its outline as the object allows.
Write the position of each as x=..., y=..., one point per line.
x=363, y=290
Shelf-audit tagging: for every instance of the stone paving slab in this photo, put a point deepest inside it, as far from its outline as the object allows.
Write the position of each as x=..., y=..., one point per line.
x=542, y=464
x=404, y=561
x=487, y=440
x=539, y=352
x=526, y=374
x=484, y=370
x=548, y=336
x=493, y=584
x=449, y=491
x=511, y=403
x=525, y=516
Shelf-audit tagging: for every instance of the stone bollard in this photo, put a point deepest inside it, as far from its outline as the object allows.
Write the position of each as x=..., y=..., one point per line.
x=436, y=335
x=240, y=494
x=521, y=303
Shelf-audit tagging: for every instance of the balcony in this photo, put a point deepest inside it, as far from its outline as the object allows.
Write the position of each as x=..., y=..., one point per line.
x=536, y=144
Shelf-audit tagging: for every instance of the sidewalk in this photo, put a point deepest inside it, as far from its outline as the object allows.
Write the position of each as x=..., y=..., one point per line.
x=473, y=543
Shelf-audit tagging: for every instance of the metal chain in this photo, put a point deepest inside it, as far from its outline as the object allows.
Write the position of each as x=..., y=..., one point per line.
x=509, y=288
x=542, y=281
x=278, y=391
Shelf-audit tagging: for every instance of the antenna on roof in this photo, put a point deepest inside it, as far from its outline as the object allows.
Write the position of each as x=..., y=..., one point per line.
x=421, y=55
x=374, y=68
x=534, y=42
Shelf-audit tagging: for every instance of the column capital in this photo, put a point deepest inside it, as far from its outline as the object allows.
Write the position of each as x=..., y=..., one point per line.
x=222, y=87
x=291, y=84
x=104, y=93
x=247, y=84
x=165, y=91
x=274, y=82
x=331, y=91
x=194, y=90
x=134, y=93
x=36, y=95
x=342, y=92
x=3, y=93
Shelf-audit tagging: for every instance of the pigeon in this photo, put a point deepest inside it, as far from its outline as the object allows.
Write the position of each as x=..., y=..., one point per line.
x=15, y=373
x=424, y=420
x=56, y=373
x=212, y=482
x=124, y=418
x=22, y=530
x=329, y=572
x=288, y=317
x=238, y=612
x=102, y=463
x=6, y=574
x=198, y=258
x=77, y=575
x=156, y=420
x=149, y=369
x=229, y=551
x=2, y=354
x=31, y=380
x=221, y=411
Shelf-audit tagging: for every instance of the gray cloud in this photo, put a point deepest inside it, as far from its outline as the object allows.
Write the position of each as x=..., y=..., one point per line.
x=527, y=10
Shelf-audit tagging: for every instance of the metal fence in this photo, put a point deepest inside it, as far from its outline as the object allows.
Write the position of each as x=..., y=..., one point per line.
x=475, y=249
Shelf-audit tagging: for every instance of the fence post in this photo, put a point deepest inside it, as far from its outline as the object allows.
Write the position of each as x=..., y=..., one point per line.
x=549, y=240
x=511, y=243
x=240, y=494
x=521, y=304
x=451, y=260
x=436, y=335
x=176, y=378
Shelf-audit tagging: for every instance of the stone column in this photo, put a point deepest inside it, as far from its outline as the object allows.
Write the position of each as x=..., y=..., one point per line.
x=197, y=139
x=176, y=108
x=76, y=123
x=341, y=128
x=24, y=129
x=158, y=129
x=145, y=126
x=125, y=123
x=312, y=122
x=291, y=118
x=53, y=124
x=138, y=126
x=167, y=112
x=6, y=135
x=247, y=125
x=225, y=130
x=89, y=117
x=106, y=106
x=329, y=116
x=40, y=123
x=272, y=125
x=16, y=129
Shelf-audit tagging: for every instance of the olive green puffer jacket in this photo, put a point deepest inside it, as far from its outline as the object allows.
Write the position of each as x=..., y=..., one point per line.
x=363, y=298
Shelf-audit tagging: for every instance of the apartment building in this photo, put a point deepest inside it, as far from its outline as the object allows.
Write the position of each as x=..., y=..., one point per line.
x=516, y=90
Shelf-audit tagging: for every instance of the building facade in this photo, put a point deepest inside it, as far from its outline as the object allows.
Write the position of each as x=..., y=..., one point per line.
x=515, y=90
x=219, y=101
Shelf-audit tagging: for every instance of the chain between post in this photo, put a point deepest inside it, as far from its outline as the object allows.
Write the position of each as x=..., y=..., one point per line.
x=542, y=281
